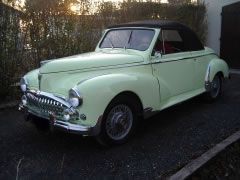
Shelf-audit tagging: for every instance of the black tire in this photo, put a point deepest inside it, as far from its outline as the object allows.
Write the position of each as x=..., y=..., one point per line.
x=105, y=138
x=216, y=89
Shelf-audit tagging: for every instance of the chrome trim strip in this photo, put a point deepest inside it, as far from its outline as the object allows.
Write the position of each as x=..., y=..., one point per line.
x=178, y=59
x=208, y=84
x=71, y=127
x=76, y=91
x=207, y=77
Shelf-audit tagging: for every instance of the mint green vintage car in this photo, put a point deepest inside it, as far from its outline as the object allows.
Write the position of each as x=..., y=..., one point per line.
x=137, y=69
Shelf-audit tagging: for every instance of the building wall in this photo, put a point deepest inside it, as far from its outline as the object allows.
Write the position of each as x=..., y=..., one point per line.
x=214, y=10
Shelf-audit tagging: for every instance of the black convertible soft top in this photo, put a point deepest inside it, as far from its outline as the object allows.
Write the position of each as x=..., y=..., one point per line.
x=153, y=24
x=190, y=38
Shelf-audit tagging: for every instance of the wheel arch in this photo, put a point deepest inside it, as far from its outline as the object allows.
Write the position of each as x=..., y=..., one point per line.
x=221, y=74
x=128, y=94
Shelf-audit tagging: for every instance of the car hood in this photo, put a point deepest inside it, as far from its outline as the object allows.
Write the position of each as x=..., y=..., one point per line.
x=89, y=61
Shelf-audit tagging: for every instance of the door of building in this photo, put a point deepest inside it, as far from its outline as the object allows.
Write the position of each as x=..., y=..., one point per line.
x=230, y=35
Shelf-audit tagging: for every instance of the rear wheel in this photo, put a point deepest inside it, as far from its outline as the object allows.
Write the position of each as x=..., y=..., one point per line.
x=216, y=89
x=119, y=121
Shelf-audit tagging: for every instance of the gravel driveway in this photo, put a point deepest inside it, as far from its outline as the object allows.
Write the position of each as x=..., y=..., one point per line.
x=162, y=144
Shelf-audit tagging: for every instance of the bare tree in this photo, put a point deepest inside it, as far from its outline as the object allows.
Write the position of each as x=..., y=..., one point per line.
x=176, y=2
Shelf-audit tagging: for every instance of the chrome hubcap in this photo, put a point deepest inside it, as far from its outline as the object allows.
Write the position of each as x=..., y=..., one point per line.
x=215, y=87
x=119, y=122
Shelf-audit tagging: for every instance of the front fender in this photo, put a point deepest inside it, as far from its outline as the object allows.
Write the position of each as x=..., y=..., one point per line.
x=32, y=79
x=98, y=92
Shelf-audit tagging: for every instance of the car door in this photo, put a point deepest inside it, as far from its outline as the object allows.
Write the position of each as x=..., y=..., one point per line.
x=201, y=65
x=200, y=56
x=172, y=65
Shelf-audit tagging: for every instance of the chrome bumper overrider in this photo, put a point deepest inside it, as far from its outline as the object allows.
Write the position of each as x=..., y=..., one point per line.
x=47, y=106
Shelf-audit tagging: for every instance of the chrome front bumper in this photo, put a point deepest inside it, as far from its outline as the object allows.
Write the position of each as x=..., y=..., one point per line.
x=45, y=107
x=62, y=125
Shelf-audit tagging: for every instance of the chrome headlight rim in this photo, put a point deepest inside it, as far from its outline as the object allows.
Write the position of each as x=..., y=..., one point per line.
x=23, y=84
x=75, y=98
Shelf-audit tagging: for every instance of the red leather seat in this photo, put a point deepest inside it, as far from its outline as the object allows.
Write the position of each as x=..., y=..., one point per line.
x=168, y=47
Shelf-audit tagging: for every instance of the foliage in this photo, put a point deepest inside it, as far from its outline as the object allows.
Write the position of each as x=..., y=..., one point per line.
x=46, y=29
x=9, y=48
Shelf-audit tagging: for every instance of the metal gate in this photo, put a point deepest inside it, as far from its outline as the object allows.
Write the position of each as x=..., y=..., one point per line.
x=230, y=35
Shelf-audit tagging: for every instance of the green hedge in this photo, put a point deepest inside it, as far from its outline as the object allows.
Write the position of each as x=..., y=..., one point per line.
x=49, y=29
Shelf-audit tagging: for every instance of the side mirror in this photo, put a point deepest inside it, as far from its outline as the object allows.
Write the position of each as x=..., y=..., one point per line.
x=157, y=54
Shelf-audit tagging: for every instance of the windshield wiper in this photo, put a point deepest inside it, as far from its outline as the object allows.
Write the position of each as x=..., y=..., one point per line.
x=129, y=39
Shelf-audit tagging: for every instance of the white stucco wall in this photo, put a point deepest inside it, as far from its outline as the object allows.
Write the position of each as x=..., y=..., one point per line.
x=214, y=10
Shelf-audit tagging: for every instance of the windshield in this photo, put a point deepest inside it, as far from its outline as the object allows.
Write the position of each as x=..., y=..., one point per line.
x=138, y=39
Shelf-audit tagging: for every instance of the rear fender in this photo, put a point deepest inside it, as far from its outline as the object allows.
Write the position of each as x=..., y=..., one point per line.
x=215, y=66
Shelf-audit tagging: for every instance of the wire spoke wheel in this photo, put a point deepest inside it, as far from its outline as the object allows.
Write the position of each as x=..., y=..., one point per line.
x=216, y=85
x=119, y=122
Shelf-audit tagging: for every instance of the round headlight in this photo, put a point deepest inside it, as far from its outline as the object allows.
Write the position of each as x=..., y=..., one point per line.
x=23, y=84
x=75, y=99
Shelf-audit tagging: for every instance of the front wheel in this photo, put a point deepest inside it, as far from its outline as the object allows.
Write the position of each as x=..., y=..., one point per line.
x=119, y=121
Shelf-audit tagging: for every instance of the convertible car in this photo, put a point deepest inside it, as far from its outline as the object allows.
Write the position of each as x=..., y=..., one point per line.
x=137, y=69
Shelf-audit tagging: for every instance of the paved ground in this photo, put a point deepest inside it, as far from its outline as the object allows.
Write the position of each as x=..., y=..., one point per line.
x=164, y=143
x=225, y=166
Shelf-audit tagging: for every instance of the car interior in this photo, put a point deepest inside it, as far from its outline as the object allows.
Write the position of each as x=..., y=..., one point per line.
x=169, y=42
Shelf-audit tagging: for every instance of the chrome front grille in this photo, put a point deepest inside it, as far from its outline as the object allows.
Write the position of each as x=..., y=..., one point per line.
x=44, y=104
